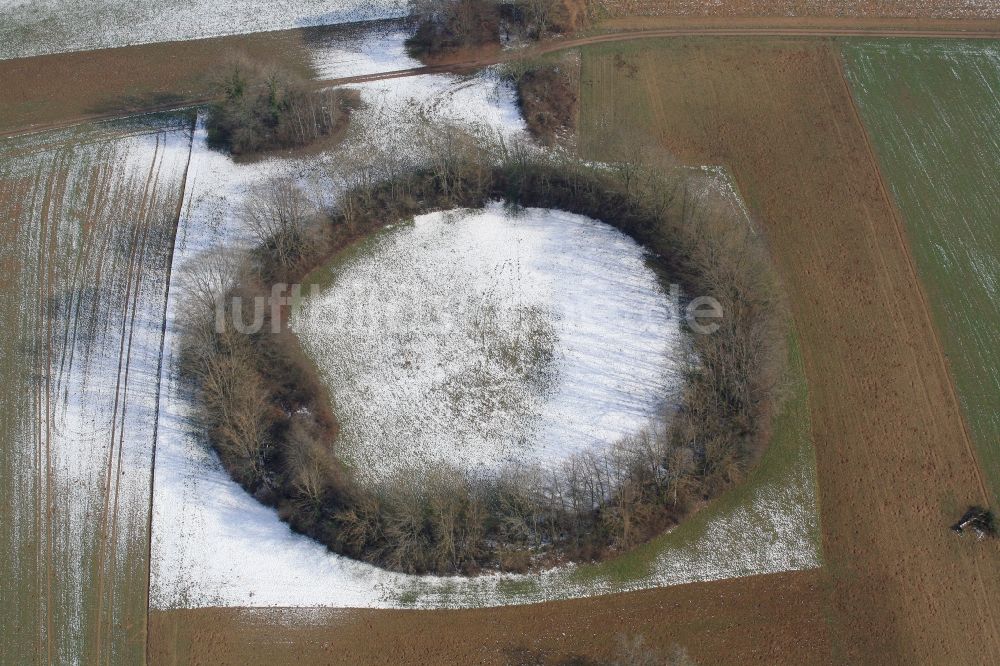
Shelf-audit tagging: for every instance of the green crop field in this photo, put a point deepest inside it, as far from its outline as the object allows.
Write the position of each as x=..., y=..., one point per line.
x=933, y=112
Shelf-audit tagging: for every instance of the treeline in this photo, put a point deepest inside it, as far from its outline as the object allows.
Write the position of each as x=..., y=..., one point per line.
x=269, y=416
x=444, y=26
x=261, y=110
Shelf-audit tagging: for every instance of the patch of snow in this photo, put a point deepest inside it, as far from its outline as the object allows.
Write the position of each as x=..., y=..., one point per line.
x=400, y=109
x=36, y=27
x=479, y=339
x=367, y=49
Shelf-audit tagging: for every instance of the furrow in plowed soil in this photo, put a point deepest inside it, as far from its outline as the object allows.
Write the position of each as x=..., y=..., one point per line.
x=88, y=221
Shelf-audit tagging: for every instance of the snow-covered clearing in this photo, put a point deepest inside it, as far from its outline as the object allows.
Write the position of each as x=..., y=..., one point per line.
x=214, y=545
x=36, y=27
x=367, y=48
x=484, y=339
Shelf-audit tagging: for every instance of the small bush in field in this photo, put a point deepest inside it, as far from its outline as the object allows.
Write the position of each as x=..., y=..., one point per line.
x=547, y=95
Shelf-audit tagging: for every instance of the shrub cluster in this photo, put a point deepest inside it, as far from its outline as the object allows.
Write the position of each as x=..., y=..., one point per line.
x=444, y=26
x=453, y=24
x=548, y=98
x=260, y=111
x=269, y=417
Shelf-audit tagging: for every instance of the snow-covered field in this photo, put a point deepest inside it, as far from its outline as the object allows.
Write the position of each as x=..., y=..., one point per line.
x=35, y=27
x=215, y=545
x=86, y=218
x=484, y=339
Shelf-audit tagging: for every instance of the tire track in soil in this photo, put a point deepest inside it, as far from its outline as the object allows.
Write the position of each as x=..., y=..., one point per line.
x=898, y=227
x=45, y=285
x=89, y=211
x=137, y=250
x=144, y=216
x=117, y=207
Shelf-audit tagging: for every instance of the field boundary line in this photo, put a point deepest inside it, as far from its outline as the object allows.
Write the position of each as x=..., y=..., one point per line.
x=547, y=47
x=898, y=227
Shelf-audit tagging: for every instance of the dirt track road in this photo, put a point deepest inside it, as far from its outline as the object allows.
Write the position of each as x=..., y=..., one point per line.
x=776, y=619
x=27, y=81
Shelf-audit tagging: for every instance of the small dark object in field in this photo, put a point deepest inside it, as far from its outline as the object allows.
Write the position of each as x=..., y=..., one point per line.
x=979, y=520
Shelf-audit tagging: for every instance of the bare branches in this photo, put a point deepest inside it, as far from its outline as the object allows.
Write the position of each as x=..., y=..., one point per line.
x=285, y=225
x=445, y=26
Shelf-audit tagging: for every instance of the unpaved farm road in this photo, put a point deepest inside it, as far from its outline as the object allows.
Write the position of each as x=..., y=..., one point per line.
x=615, y=30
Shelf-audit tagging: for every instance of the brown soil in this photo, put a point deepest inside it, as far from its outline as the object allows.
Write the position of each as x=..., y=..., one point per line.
x=43, y=89
x=894, y=461
x=756, y=620
x=45, y=92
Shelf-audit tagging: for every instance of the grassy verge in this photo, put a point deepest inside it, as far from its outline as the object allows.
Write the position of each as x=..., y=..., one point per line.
x=788, y=459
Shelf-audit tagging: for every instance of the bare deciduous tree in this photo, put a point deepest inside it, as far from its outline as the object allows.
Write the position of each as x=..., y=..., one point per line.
x=280, y=217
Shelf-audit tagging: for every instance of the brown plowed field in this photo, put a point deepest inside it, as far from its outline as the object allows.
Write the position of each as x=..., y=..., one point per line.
x=757, y=620
x=894, y=461
x=114, y=82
